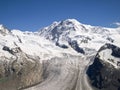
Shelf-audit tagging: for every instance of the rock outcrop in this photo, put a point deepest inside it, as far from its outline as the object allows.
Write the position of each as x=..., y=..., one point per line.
x=20, y=70
x=104, y=73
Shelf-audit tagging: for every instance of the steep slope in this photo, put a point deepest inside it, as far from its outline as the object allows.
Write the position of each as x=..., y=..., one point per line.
x=19, y=70
x=104, y=73
x=17, y=67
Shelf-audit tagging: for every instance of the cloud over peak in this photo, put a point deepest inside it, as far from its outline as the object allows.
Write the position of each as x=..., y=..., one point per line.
x=117, y=24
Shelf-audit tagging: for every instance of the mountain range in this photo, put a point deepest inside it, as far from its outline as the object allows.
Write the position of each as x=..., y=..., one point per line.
x=66, y=55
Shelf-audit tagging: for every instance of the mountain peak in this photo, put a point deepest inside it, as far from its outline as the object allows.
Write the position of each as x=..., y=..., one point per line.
x=1, y=26
x=72, y=21
x=65, y=28
x=3, y=30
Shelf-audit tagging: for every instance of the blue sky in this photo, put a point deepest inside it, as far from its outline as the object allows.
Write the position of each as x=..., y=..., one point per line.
x=34, y=14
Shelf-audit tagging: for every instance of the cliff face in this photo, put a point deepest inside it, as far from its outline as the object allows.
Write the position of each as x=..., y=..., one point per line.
x=104, y=73
x=19, y=71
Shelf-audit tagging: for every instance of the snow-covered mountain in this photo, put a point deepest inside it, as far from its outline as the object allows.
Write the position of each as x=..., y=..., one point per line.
x=86, y=36
x=56, y=57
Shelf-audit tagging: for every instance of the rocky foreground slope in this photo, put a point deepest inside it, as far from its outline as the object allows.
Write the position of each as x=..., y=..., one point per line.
x=66, y=55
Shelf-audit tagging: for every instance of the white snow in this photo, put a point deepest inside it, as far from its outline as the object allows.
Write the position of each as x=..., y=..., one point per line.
x=106, y=56
x=36, y=44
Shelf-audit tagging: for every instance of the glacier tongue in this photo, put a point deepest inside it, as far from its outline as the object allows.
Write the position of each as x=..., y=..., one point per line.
x=67, y=73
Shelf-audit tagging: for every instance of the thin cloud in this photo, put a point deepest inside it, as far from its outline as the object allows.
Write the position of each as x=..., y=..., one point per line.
x=117, y=24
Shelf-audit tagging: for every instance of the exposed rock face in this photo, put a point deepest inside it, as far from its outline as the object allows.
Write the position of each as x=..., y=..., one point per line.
x=76, y=47
x=19, y=71
x=104, y=73
x=61, y=45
